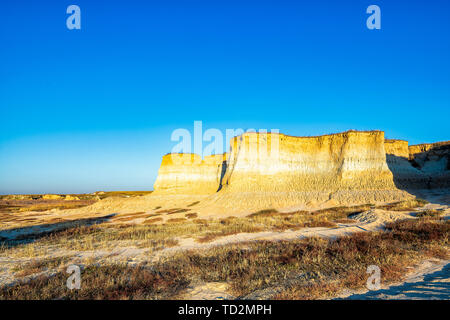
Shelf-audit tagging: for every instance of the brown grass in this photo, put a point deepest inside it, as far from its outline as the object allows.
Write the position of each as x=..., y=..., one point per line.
x=123, y=194
x=176, y=220
x=200, y=221
x=279, y=221
x=408, y=242
x=17, y=206
x=429, y=213
x=112, y=282
x=35, y=202
x=106, y=236
x=344, y=220
x=153, y=220
x=344, y=211
x=193, y=203
x=173, y=211
x=264, y=213
x=304, y=269
x=39, y=265
x=407, y=205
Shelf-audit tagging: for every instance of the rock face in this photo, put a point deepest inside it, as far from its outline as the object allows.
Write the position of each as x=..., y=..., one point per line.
x=346, y=161
x=398, y=148
x=397, y=158
x=433, y=161
x=189, y=174
x=334, y=169
x=424, y=166
x=436, y=148
x=268, y=170
x=51, y=197
x=275, y=170
x=71, y=198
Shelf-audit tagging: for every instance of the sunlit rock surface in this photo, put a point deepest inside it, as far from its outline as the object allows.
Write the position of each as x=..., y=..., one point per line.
x=189, y=174
x=275, y=170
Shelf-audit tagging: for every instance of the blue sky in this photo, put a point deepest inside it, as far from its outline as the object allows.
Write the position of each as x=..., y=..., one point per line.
x=93, y=109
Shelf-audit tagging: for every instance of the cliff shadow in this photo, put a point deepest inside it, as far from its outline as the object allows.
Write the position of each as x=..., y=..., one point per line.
x=222, y=174
x=13, y=237
x=408, y=176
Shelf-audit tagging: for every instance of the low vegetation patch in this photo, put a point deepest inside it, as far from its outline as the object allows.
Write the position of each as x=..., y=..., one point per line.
x=429, y=213
x=153, y=220
x=122, y=194
x=407, y=205
x=39, y=202
x=39, y=265
x=103, y=282
x=18, y=206
x=176, y=220
x=173, y=211
x=103, y=236
x=193, y=203
x=302, y=269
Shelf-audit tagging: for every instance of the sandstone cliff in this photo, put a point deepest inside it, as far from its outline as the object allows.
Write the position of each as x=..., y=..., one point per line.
x=439, y=147
x=346, y=161
x=189, y=174
x=405, y=175
x=335, y=169
x=278, y=171
x=432, y=160
x=398, y=148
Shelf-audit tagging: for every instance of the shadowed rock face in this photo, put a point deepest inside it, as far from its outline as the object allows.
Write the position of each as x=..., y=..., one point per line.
x=424, y=166
x=405, y=175
x=433, y=160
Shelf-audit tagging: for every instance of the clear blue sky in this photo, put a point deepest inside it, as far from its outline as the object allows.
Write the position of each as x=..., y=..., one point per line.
x=93, y=109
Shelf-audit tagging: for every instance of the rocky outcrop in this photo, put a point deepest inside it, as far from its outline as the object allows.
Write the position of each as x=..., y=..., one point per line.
x=71, y=198
x=440, y=148
x=398, y=148
x=288, y=171
x=189, y=174
x=416, y=167
x=268, y=170
x=275, y=170
x=405, y=175
x=433, y=160
x=52, y=197
x=347, y=161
